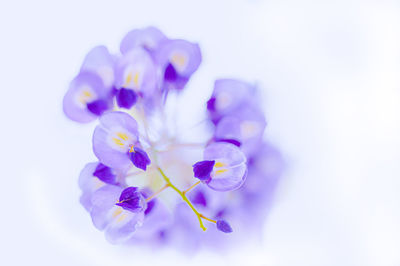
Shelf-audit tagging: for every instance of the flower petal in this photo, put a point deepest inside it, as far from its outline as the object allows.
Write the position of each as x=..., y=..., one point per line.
x=139, y=158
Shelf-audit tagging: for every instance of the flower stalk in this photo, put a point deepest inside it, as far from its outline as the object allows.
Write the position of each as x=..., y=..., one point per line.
x=185, y=199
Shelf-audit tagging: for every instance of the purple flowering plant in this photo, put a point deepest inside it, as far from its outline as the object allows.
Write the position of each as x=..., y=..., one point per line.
x=125, y=191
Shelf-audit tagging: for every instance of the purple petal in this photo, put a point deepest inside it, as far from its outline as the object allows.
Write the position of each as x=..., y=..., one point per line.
x=101, y=62
x=230, y=95
x=128, y=193
x=231, y=141
x=211, y=104
x=203, y=169
x=170, y=73
x=124, y=226
x=131, y=199
x=183, y=55
x=98, y=107
x=126, y=98
x=139, y=158
x=132, y=205
x=88, y=184
x=103, y=200
x=146, y=192
x=150, y=206
x=199, y=198
x=148, y=38
x=223, y=226
x=178, y=84
x=105, y=174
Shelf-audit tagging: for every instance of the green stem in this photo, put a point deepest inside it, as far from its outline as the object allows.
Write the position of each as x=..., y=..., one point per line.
x=199, y=215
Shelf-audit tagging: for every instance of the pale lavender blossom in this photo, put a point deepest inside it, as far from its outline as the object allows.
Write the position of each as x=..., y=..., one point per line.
x=116, y=142
x=136, y=71
x=118, y=212
x=177, y=60
x=100, y=62
x=87, y=98
x=92, y=177
x=229, y=95
x=224, y=167
x=148, y=38
x=246, y=126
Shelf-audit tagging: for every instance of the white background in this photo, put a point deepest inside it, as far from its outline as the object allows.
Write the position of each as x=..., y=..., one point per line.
x=330, y=73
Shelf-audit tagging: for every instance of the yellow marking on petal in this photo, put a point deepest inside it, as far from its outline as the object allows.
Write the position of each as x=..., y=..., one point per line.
x=118, y=141
x=249, y=129
x=136, y=79
x=85, y=96
x=223, y=100
x=117, y=212
x=178, y=59
x=122, y=136
x=128, y=78
x=86, y=93
x=98, y=184
x=219, y=164
x=122, y=217
x=132, y=78
x=220, y=171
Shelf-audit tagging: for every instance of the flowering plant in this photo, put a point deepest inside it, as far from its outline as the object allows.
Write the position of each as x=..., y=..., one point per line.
x=134, y=191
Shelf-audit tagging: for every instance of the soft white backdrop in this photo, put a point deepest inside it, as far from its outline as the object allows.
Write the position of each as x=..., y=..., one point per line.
x=330, y=73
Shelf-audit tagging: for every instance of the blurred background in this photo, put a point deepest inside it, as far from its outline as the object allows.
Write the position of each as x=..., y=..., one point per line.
x=330, y=76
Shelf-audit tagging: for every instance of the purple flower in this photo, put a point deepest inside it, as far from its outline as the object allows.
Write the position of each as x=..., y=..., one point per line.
x=178, y=60
x=98, y=107
x=131, y=199
x=115, y=139
x=88, y=183
x=92, y=177
x=148, y=38
x=87, y=98
x=135, y=70
x=246, y=126
x=126, y=98
x=119, y=223
x=100, y=62
x=105, y=174
x=224, y=167
x=229, y=95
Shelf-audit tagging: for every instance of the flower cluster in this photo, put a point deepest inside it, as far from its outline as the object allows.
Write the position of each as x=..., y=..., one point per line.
x=148, y=186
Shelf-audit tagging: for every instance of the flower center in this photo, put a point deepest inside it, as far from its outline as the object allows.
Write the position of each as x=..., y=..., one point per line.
x=121, y=139
x=249, y=129
x=85, y=95
x=132, y=76
x=223, y=100
x=179, y=60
